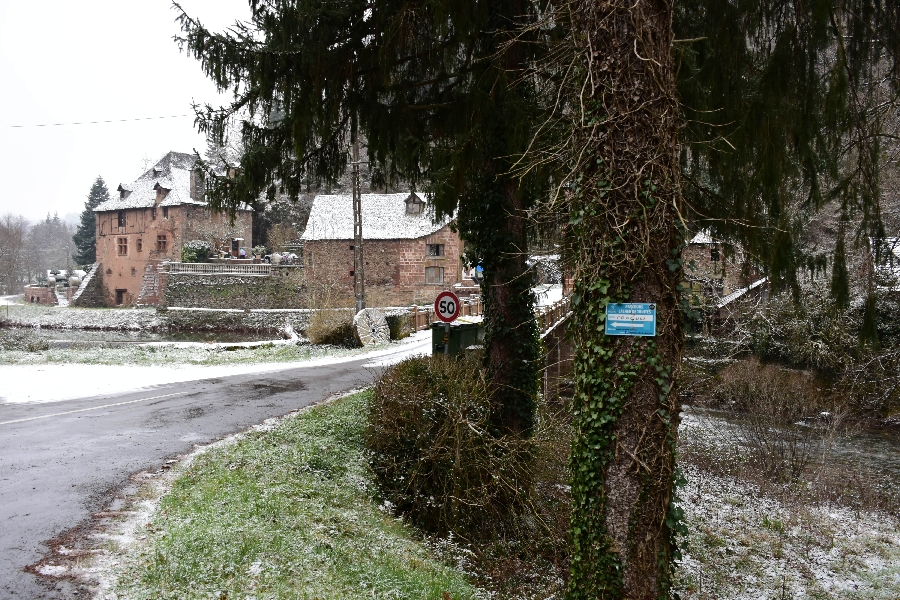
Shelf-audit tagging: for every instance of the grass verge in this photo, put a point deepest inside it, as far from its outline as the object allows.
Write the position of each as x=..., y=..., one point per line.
x=168, y=355
x=284, y=513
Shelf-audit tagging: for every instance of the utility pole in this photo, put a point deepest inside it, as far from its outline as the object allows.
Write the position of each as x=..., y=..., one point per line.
x=359, y=279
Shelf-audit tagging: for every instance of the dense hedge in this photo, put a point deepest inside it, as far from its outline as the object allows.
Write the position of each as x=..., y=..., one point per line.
x=433, y=456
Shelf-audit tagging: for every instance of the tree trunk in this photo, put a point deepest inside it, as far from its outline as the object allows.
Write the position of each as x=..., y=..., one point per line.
x=625, y=244
x=497, y=230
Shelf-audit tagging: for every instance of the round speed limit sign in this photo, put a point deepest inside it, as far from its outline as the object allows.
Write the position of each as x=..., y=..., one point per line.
x=446, y=307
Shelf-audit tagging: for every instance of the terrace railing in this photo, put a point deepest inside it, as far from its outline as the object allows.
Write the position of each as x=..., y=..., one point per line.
x=262, y=270
x=549, y=316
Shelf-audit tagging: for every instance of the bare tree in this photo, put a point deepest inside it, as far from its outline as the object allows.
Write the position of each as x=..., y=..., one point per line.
x=13, y=237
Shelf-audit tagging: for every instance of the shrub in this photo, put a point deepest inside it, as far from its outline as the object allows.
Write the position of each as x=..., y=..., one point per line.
x=195, y=251
x=433, y=456
x=400, y=325
x=21, y=340
x=332, y=326
x=783, y=417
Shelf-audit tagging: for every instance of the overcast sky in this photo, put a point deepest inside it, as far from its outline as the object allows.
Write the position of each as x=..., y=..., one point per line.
x=65, y=62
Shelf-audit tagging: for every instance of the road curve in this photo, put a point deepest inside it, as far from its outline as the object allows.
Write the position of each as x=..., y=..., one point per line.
x=60, y=462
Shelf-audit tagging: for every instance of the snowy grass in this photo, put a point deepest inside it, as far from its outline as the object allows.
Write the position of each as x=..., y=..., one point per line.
x=57, y=317
x=134, y=354
x=284, y=513
x=748, y=542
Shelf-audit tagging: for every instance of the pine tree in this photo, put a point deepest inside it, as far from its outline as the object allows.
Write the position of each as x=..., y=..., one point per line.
x=429, y=85
x=741, y=117
x=85, y=237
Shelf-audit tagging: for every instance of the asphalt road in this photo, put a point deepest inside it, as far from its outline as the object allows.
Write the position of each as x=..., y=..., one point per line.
x=62, y=461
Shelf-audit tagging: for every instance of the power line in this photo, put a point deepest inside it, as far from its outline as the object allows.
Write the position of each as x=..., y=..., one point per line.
x=98, y=122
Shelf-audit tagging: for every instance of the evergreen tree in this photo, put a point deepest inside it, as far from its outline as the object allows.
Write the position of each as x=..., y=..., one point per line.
x=740, y=117
x=85, y=237
x=429, y=86
x=754, y=114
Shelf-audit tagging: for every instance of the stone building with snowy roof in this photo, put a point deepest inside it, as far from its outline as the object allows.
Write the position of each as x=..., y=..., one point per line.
x=150, y=220
x=409, y=256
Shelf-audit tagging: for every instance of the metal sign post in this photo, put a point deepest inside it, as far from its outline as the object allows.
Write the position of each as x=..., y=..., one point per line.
x=446, y=308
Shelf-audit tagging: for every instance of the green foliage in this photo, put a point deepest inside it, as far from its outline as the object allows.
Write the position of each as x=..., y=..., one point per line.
x=285, y=512
x=840, y=278
x=195, y=251
x=400, y=326
x=785, y=110
x=435, y=90
x=85, y=237
x=432, y=451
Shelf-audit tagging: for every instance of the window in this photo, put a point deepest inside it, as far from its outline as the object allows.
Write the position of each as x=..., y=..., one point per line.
x=122, y=245
x=714, y=254
x=165, y=212
x=153, y=214
x=413, y=204
x=434, y=274
x=161, y=243
x=139, y=245
x=133, y=271
x=121, y=218
x=435, y=249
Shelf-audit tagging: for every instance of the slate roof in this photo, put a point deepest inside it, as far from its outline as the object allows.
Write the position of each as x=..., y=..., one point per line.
x=384, y=218
x=172, y=172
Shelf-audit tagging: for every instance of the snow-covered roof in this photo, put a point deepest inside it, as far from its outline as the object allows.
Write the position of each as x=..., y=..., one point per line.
x=384, y=217
x=738, y=293
x=172, y=172
x=703, y=237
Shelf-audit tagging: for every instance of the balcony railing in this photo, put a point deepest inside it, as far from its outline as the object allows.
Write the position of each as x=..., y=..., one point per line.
x=261, y=270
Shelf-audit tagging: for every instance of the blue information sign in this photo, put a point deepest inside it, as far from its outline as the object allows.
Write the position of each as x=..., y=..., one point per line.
x=631, y=319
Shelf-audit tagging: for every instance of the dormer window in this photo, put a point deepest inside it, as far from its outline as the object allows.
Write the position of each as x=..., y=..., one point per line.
x=414, y=205
x=123, y=193
x=161, y=193
x=156, y=172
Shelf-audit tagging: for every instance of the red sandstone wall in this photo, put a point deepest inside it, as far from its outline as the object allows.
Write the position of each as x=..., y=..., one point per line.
x=40, y=295
x=184, y=223
x=394, y=269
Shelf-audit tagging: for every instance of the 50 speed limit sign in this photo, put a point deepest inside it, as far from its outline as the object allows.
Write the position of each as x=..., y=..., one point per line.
x=446, y=307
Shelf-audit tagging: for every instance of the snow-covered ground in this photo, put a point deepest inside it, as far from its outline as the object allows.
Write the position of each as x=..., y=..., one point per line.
x=9, y=300
x=745, y=544
x=548, y=293
x=59, y=382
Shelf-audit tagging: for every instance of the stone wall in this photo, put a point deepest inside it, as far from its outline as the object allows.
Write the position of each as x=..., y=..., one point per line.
x=285, y=288
x=40, y=294
x=261, y=321
x=91, y=293
x=394, y=269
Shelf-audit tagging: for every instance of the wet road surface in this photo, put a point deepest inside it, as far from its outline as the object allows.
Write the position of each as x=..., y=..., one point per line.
x=62, y=461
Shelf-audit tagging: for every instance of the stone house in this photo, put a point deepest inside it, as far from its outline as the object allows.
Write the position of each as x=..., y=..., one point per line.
x=409, y=256
x=717, y=274
x=148, y=223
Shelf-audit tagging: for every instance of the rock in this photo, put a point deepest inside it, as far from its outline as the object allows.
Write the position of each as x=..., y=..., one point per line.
x=371, y=327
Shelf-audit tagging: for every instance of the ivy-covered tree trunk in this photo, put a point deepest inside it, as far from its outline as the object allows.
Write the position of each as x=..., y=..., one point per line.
x=496, y=228
x=625, y=246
